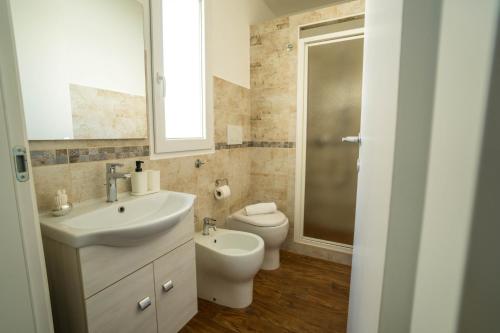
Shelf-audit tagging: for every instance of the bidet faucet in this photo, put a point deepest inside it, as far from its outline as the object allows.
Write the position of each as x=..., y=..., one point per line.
x=208, y=223
x=111, y=177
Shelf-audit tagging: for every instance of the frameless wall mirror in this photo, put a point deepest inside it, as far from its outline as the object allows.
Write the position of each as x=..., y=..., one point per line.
x=82, y=68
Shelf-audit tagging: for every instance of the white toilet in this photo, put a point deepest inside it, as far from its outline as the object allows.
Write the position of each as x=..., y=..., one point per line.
x=273, y=228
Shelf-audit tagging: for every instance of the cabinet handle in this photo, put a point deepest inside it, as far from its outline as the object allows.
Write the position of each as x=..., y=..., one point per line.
x=168, y=286
x=145, y=303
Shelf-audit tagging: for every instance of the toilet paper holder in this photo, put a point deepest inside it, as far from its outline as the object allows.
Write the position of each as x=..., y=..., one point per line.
x=221, y=182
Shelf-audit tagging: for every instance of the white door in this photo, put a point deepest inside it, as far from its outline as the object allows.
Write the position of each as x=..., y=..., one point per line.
x=24, y=301
x=403, y=39
x=378, y=124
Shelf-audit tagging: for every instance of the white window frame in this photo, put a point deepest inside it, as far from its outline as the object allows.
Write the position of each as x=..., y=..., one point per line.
x=160, y=146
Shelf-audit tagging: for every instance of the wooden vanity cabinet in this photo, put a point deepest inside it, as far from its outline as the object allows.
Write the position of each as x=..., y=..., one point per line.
x=150, y=287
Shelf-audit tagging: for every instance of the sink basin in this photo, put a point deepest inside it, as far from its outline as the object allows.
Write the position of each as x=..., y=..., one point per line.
x=126, y=222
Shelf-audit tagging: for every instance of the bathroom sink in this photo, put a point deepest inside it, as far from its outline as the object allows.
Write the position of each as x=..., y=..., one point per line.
x=129, y=221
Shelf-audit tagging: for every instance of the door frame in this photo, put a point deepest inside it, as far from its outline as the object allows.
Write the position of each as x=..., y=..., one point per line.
x=301, y=135
x=23, y=194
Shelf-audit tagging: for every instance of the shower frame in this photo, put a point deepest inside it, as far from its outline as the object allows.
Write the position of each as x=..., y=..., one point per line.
x=301, y=130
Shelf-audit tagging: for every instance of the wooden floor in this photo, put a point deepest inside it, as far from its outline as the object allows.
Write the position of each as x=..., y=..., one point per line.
x=304, y=295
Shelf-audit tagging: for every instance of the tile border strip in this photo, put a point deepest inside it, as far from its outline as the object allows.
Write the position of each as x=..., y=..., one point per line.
x=49, y=157
x=257, y=144
x=273, y=144
x=92, y=154
x=81, y=155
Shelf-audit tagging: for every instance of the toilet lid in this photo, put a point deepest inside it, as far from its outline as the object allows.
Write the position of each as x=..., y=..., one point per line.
x=261, y=220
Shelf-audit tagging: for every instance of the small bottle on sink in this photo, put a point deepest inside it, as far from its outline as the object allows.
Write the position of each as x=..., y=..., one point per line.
x=139, y=180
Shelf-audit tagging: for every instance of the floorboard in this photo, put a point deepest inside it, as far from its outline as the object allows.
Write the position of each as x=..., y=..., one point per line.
x=304, y=295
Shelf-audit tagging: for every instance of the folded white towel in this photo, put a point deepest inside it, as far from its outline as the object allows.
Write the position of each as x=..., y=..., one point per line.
x=261, y=208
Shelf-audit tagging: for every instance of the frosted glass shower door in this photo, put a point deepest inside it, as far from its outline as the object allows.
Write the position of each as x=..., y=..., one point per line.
x=334, y=77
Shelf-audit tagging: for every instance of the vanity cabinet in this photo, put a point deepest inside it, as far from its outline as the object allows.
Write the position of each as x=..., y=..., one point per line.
x=149, y=287
x=127, y=306
x=175, y=286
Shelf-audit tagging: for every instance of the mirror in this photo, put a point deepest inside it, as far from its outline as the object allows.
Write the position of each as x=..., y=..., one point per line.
x=82, y=69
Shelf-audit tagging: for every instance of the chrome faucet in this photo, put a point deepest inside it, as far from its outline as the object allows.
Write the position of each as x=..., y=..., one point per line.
x=111, y=177
x=208, y=223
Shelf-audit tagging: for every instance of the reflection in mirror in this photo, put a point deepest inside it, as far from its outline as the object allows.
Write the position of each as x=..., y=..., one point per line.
x=82, y=69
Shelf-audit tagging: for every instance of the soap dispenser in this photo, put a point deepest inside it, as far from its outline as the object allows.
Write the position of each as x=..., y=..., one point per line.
x=139, y=180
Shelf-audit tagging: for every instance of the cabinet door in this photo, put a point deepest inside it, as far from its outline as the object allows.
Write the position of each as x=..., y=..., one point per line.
x=175, y=285
x=124, y=306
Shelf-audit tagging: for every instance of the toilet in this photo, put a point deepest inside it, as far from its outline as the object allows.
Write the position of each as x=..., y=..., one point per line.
x=273, y=228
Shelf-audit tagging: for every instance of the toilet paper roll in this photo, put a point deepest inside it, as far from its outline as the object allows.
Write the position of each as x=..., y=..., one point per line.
x=153, y=180
x=222, y=192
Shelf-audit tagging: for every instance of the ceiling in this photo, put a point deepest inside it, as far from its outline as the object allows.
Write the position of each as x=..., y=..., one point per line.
x=287, y=7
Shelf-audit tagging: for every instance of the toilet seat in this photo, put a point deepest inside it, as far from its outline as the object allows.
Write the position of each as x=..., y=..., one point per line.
x=261, y=220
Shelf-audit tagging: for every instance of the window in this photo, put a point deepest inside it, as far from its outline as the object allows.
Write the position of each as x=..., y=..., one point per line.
x=181, y=122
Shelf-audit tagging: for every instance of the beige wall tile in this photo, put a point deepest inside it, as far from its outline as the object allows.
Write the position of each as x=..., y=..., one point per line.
x=49, y=179
x=266, y=112
x=231, y=107
x=273, y=111
x=99, y=113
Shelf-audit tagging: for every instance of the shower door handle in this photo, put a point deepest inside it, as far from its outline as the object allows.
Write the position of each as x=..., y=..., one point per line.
x=352, y=139
x=160, y=79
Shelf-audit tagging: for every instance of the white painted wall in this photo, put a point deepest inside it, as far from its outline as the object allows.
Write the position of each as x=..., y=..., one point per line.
x=466, y=54
x=228, y=37
x=93, y=43
x=481, y=289
x=287, y=7
x=108, y=53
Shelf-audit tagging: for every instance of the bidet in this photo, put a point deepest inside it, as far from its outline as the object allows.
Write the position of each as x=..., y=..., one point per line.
x=226, y=263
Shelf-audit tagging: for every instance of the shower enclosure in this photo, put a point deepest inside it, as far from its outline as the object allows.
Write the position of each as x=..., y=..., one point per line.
x=330, y=79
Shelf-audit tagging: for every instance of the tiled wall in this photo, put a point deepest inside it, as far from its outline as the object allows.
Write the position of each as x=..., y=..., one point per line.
x=261, y=169
x=106, y=114
x=79, y=166
x=273, y=97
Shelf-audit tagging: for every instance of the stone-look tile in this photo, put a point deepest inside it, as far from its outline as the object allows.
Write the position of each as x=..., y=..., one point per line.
x=179, y=174
x=106, y=114
x=270, y=177
x=231, y=107
x=68, y=144
x=273, y=98
x=270, y=26
x=49, y=157
x=47, y=181
x=274, y=70
x=79, y=155
x=262, y=169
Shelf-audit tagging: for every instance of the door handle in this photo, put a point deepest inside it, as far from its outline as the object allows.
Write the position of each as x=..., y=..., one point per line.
x=352, y=139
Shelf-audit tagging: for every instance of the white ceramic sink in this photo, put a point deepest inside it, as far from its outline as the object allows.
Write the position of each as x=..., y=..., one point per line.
x=126, y=222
